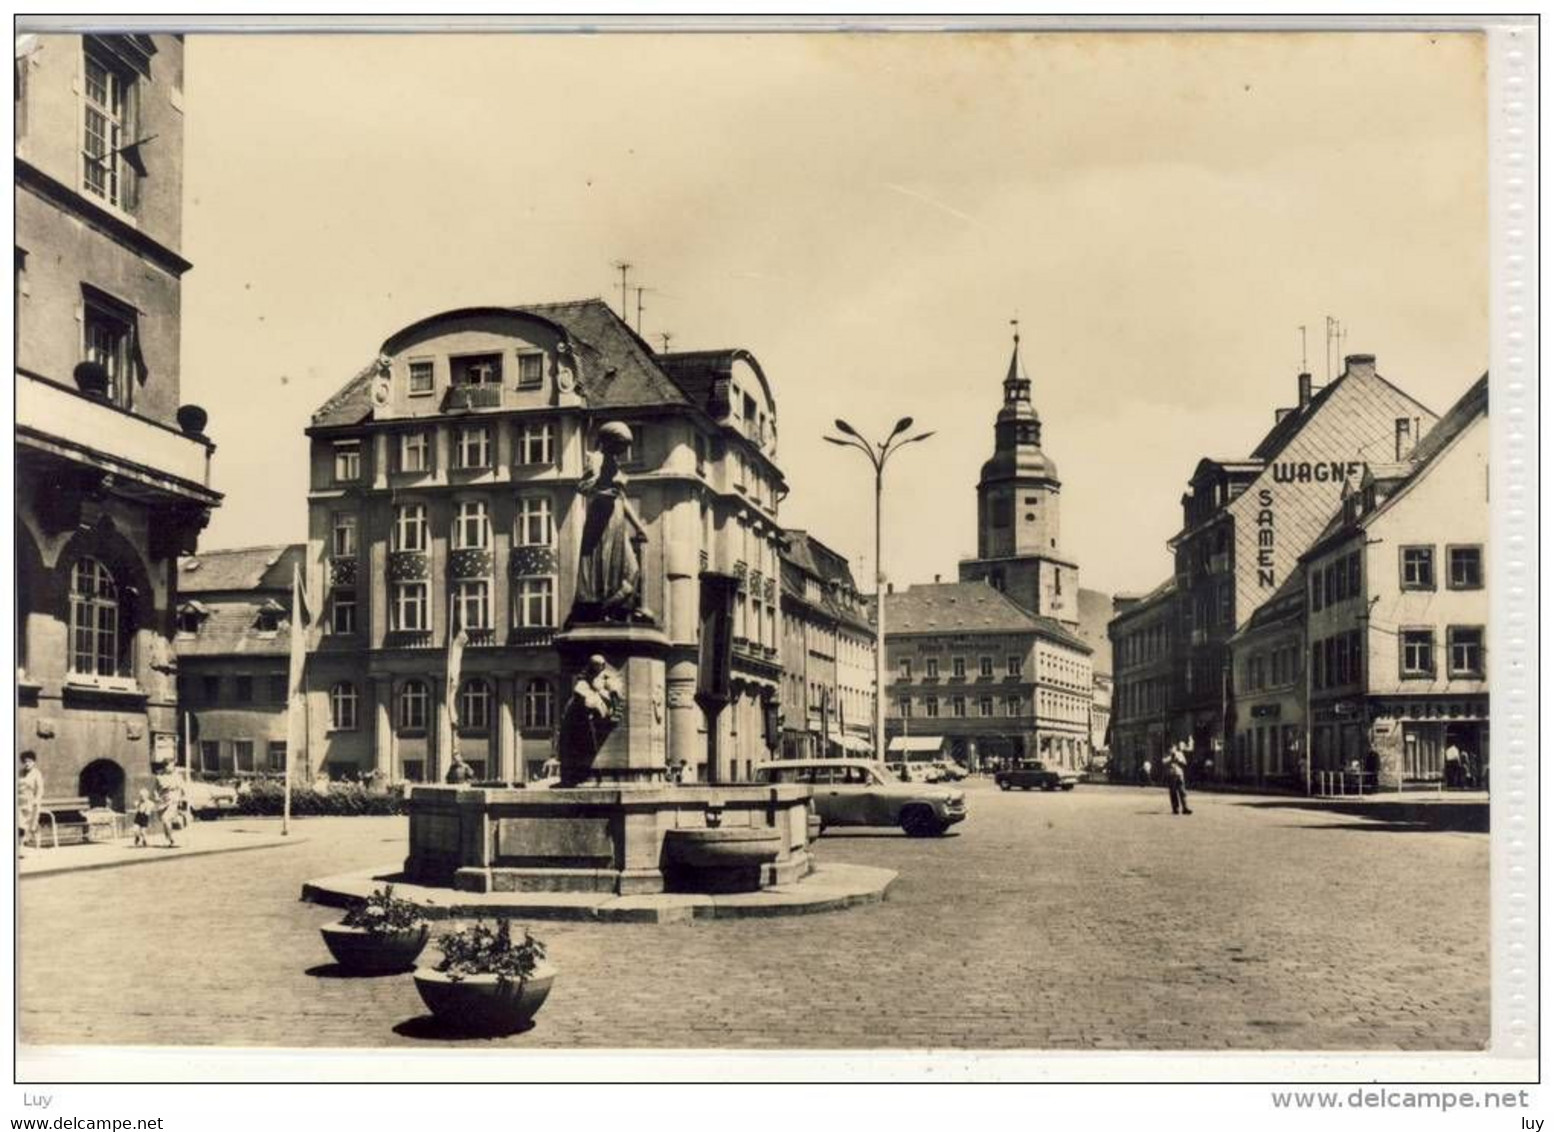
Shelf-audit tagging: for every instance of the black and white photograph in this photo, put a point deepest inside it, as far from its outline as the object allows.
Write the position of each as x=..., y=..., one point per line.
x=601, y=539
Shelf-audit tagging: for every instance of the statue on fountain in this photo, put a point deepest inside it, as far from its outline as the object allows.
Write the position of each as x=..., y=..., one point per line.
x=609, y=569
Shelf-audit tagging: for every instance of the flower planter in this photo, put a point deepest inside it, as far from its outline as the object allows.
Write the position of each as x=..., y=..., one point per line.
x=483, y=1004
x=365, y=953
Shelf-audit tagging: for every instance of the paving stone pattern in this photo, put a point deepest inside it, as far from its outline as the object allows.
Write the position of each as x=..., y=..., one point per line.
x=1091, y=920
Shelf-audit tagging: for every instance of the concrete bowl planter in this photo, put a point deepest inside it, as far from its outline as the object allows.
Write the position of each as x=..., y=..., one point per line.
x=485, y=1004
x=374, y=953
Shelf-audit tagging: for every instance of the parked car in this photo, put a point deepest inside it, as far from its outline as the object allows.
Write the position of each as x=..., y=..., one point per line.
x=1032, y=774
x=949, y=771
x=203, y=800
x=861, y=792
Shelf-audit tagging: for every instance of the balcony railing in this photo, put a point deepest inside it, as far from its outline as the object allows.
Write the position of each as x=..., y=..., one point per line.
x=472, y=397
x=525, y=637
x=409, y=639
x=147, y=449
x=481, y=638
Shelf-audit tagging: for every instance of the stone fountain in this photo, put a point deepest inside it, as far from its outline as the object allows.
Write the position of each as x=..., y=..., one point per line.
x=615, y=824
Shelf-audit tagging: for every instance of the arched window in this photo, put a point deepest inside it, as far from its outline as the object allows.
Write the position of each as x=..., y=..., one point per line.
x=538, y=704
x=94, y=619
x=343, y=704
x=412, y=705
x=475, y=705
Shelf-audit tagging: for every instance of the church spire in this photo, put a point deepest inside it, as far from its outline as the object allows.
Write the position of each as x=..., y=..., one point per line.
x=1017, y=377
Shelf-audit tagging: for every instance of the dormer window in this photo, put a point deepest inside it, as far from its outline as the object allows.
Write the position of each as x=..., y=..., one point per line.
x=421, y=378
x=269, y=618
x=477, y=369
x=191, y=615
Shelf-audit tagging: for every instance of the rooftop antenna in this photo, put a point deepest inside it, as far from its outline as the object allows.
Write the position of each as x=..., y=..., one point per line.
x=623, y=267
x=1327, y=347
x=1303, y=348
x=668, y=337
x=640, y=289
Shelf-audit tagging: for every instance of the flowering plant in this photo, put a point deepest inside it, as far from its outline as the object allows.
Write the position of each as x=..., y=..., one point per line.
x=383, y=913
x=480, y=950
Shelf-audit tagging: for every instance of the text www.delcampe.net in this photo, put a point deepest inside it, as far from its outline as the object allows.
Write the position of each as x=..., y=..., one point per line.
x=1439, y=1099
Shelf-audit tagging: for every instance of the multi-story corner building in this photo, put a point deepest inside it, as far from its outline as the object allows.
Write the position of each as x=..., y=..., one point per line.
x=1246, y=522
x=1268, y=691
x=827, y=654
x=446, y=473
x=112, y=475
x=1146, y=681
x=967, y=662
x=233, y=642
x=1397, y=614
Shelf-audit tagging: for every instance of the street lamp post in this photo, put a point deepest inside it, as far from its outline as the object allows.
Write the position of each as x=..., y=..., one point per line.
x=878, y=454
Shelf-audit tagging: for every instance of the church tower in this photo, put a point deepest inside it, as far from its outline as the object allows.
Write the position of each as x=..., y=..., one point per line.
x=1019, y=549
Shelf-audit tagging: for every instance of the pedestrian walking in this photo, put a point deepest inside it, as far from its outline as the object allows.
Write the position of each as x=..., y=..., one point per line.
x=1176, y=779
x=169, y=799
x=29, y=798
x=144, y=809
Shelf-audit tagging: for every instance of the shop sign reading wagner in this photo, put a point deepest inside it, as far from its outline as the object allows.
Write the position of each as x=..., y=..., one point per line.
x=1292, y=472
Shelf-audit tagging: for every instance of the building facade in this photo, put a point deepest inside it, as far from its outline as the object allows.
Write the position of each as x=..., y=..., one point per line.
x=1268, y=691
x=112, y=473
x=966, y=662
x=827, y=654
x=231, y=632
x=1398, y=613
x=1146, y=682
x=1247, y=521
x=446, y=474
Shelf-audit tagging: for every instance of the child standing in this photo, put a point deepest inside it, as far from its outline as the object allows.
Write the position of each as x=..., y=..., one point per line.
x=144, y=808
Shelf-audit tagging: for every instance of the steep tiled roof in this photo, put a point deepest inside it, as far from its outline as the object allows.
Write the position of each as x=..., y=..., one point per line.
x=617, y=369
x=231, y=629
x=804, y=554
x=1288, y=599
x=967, y=607
x=1469, y=407
x=238, y=569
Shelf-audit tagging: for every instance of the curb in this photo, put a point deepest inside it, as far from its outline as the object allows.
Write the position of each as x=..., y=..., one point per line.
x=151, y=859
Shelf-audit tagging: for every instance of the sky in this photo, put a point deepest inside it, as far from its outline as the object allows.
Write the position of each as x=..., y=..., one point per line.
x=866, y=214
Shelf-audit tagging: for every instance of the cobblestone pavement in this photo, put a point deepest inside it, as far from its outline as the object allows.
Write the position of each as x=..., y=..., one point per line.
x=1091, y=920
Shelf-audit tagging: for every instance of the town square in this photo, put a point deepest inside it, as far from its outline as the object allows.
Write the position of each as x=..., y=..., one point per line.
x=796, y=542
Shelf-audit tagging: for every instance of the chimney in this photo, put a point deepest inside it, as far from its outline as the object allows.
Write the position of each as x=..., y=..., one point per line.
x=1303, y=384
x=1362, y=364
x=937, y=578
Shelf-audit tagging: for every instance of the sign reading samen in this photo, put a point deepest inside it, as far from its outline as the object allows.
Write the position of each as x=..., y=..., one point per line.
x=1292, y=471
